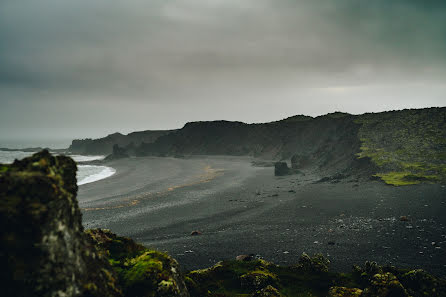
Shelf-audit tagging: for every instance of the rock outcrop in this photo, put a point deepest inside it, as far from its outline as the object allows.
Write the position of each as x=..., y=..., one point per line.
x=281, y=169
x=43, y=248
x=117, y=153
x=141, y=272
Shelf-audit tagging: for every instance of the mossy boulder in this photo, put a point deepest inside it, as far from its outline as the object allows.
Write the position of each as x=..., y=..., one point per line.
x=316, y=264
x=141, y=272
x=419, y=283
x=281, y=168
x=43, y=249
x=344, y=292
x=268, y=291
x=385, y=285
x=258, y=279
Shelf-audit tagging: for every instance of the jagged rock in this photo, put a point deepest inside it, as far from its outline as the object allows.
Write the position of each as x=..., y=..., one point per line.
x=141, y=272
x=418, y=282
x=268, y=291
x=117, y=153
x=344, y=292
x=385, y=285
x=43, y=249
x=258, y=279
x=316, y=264
x=281, y=168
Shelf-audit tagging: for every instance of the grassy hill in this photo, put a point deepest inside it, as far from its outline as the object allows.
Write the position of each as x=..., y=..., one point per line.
x=408, y=146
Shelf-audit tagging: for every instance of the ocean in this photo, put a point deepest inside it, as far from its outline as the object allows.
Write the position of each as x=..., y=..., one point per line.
x=85, y=174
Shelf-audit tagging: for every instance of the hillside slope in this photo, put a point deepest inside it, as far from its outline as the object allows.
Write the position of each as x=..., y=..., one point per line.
x=408, y=146
x=401, y=147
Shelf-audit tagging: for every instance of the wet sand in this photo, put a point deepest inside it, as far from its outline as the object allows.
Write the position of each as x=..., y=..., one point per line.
x=241, y=209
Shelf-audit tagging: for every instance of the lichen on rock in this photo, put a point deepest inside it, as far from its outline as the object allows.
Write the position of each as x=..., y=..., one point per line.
x=43, y=250
x=141, y=272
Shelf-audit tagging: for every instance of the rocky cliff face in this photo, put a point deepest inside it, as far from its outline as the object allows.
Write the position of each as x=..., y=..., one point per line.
x=44, y=250
x=104, y=146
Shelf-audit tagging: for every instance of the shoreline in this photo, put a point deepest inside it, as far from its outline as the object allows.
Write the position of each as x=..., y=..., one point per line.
x=245, y=209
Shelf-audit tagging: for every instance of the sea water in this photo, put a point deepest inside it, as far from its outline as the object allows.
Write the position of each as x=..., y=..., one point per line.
x=85, y=174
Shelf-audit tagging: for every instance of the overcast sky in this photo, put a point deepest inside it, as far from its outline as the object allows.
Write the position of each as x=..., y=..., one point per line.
x=87, y=68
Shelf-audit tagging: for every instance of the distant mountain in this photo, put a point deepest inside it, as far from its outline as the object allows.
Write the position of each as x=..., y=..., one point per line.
x=400, y=147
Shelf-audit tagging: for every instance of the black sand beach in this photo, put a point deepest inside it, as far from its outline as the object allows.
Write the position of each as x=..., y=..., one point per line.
x=241, y=209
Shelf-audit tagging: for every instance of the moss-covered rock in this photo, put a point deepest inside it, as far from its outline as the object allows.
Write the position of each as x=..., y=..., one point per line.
x=268, y=291
x=419, y=283
x=258, y=279
x=385, y=285
x=43, y=249
x=408, y=146
x=141, y=272
x=316, y=264
x=344, y=292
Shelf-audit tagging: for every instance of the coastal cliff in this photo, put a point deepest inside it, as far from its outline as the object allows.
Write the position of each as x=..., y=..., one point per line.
x=104, y=146
x=400, y=147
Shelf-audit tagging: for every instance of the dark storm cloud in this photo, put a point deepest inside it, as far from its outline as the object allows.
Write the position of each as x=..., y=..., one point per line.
x=156, y=64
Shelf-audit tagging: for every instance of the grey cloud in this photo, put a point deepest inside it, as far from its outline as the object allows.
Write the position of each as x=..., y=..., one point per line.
x=164, y=57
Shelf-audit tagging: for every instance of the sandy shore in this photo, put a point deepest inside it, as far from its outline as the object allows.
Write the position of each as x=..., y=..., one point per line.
x=241, y=209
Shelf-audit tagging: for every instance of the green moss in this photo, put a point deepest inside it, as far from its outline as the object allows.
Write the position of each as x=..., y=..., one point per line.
x=405, y=178
x=408, y=147
x=3, y=168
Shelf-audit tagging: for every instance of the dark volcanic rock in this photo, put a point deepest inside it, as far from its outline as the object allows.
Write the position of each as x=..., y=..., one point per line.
x=43, y=250
x=141, y=272
x=281, y=168
x=195, y=233
x=118, y=153
x=268, y=291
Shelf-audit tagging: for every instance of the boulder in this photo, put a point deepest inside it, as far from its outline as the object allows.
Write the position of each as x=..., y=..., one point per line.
x=316, y=264
x=385, y=285
x=268, y=291
x=281, y=169
x=195, y=233
x=245, y=258
x=344, y=292
x=257, y=279
x=141, y=272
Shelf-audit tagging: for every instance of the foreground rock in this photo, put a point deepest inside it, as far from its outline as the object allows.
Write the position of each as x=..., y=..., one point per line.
x=43, y=248
x=310, y=277
x=141, y=272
